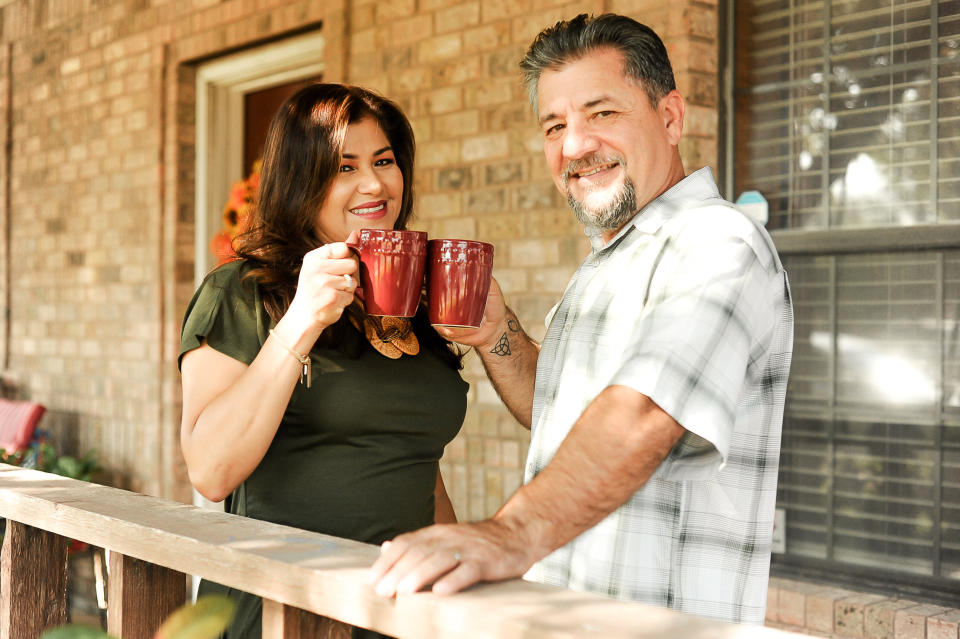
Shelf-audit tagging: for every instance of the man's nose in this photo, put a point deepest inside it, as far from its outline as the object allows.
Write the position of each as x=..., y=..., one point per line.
x=578, y=141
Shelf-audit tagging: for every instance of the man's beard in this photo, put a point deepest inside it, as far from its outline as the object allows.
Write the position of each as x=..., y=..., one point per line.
x=609, y=215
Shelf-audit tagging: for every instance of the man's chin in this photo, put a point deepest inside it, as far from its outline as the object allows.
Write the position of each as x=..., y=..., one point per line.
x=594, y=210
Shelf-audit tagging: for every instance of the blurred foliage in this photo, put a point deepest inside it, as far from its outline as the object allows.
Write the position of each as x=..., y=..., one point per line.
x=205, y=619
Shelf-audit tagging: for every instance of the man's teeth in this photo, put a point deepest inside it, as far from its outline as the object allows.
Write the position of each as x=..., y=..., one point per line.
x=595, y=170
x=378, y=207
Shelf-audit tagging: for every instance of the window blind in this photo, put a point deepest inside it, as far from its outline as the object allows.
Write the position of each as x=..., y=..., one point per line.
x=842, y=107
x=870, y=464
x=847, y=115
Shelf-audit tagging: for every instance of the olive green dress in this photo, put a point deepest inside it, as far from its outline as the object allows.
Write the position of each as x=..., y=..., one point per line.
x=356, y=455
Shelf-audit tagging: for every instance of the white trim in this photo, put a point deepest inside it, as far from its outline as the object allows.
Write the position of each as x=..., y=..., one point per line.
x=220, y=87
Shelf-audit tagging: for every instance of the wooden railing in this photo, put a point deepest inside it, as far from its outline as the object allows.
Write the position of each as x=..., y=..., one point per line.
x=312, y=584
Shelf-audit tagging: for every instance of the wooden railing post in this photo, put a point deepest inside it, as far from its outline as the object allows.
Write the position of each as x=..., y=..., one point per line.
x=33, y=570
x=140, y=596
x=287, y=622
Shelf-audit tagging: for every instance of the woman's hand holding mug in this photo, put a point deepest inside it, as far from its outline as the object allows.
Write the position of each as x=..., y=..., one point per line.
x=327, y=281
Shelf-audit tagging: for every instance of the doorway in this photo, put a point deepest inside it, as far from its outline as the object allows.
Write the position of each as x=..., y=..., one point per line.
x=228, y=141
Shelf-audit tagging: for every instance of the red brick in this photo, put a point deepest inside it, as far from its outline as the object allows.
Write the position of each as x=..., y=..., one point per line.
x=944, y=626
x=911, y=623
x=848, y=614
x=458, y=17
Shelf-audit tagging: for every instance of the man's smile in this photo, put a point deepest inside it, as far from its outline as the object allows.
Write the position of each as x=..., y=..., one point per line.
x=593, y=171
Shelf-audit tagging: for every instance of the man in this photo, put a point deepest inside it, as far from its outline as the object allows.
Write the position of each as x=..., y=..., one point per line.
x=656, y=399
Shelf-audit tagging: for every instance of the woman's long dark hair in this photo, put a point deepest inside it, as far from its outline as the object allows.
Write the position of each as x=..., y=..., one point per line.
x=301, y=160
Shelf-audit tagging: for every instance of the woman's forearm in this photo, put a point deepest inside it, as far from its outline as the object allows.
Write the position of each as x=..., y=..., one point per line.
x=232, y=411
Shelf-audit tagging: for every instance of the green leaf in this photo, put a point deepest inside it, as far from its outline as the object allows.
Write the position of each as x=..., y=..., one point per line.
x=75, y=632
x=205, y=619
x=68, y=467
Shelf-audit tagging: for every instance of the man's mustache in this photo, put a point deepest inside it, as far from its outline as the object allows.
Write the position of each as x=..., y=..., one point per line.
x=575, y=166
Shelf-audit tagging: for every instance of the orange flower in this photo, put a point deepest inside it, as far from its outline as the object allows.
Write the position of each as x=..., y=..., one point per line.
x=236, y=215
x=222, y=248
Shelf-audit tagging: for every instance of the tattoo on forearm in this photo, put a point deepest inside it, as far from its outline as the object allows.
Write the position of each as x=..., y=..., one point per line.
x=503, y=347
x=513, y=325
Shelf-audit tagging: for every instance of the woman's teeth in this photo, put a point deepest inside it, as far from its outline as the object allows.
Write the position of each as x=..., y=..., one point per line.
x=372, y=209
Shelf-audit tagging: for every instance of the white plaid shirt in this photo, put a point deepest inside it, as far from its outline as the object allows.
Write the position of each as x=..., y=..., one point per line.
x=690, y=306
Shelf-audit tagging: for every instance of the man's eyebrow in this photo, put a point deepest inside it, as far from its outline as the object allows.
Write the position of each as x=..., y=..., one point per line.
x=547, y=117
x=586, y=105
x=595, y=102
x=351, y=156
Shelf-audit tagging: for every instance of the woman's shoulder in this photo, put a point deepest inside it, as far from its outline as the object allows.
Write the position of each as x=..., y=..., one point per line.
x=230, y=280
x=227, y=275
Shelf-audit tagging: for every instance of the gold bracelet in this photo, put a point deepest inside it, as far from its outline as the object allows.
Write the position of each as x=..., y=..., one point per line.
x=306, y=373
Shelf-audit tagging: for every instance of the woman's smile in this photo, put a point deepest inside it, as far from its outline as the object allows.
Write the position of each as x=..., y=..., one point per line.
x=371, y=210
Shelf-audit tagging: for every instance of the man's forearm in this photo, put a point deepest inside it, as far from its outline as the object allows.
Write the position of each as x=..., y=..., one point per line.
x=609, y=454
x=511, y=365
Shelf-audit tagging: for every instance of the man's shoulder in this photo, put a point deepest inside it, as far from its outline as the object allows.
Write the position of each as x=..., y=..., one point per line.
x=714, y=221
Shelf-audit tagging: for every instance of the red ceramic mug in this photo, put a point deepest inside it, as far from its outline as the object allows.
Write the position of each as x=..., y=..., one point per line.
x=391, y=270
x=458, y=279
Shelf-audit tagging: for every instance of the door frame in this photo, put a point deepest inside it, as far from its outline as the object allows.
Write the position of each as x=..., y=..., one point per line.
x=220, y=88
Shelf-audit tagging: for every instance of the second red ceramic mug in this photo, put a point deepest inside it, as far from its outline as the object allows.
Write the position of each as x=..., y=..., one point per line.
x=391, y=270
x=458, y=278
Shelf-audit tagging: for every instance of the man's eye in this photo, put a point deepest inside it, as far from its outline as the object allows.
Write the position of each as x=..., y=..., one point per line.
x=556, y=128
x=603, y=114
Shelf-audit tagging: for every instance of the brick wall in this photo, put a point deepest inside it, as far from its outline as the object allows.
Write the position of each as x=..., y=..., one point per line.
x=100, y=203
x=824, y=611
x=481, y=173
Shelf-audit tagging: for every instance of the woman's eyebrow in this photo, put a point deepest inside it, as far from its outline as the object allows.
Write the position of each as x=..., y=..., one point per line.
x=351, y=156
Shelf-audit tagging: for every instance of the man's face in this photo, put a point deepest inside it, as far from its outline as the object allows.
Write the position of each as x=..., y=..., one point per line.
x=609, y=150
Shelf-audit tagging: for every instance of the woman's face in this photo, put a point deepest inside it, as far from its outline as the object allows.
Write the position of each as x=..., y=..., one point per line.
x=368, y=190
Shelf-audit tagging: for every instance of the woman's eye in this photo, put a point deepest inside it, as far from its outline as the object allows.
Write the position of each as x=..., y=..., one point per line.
x=344, y=168
x=384, y=162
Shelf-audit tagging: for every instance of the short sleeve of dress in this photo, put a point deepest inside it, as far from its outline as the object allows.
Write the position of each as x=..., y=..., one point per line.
x=227, y=313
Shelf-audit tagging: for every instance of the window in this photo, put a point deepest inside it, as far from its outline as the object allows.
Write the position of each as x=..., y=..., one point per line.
x=847, y=119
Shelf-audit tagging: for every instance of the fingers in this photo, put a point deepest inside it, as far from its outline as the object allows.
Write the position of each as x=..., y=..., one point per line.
x=427, y=571
x=335, y=250
x=453, y=334
x=408, y=564
x=314, y=262
x=463, y=576
x=389, y=553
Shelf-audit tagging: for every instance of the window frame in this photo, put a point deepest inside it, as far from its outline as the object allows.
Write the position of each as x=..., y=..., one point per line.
x=836, y=241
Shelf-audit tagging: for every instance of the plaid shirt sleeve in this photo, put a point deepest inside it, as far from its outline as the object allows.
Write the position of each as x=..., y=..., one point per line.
x=709, y=315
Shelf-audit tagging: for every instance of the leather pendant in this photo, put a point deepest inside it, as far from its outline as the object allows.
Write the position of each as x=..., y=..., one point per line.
x=391, y=336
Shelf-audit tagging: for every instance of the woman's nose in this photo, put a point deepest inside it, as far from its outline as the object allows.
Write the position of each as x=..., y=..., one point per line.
x=370, y=182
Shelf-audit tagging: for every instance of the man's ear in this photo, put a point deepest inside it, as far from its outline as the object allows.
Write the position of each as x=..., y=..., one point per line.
x=671, y=109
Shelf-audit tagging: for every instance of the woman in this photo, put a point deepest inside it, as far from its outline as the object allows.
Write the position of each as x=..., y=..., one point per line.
x=279, y=374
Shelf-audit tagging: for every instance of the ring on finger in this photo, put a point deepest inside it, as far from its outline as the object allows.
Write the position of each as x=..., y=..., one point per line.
x=349, y=279
x=457, y=557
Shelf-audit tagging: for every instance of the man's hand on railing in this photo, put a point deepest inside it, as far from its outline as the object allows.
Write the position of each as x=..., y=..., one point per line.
x=451, y=557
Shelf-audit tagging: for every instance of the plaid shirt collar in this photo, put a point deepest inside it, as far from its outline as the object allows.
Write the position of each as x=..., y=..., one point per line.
x=696, y=187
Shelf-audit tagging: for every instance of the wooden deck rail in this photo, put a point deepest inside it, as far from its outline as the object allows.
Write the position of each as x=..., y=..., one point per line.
x=306, y=579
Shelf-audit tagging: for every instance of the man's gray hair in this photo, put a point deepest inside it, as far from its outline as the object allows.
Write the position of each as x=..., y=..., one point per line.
x=644, y=57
